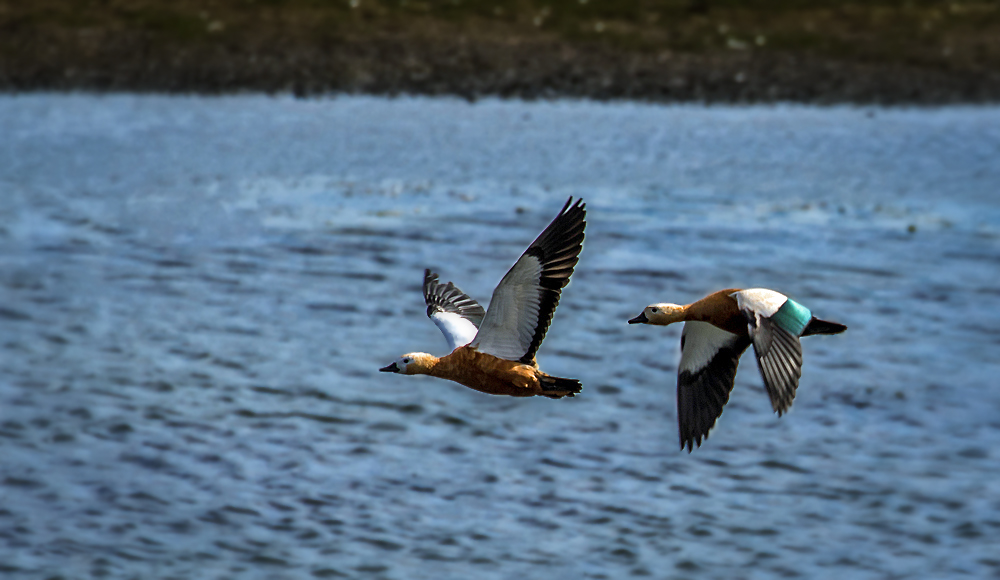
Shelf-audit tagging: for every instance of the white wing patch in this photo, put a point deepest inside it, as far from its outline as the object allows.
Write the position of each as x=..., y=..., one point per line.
x=761, y=301
x=701, y=343
x=458, y=331
x=512, y=317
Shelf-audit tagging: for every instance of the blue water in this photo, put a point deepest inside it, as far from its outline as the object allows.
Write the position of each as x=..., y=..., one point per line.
x=196, y=295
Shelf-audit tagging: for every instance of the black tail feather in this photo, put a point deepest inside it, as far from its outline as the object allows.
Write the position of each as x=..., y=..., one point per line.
x=817, y=326
x=557, y=387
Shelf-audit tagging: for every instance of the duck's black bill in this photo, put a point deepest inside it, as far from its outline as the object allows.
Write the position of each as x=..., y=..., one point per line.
x=639, y=319
x=390, y=369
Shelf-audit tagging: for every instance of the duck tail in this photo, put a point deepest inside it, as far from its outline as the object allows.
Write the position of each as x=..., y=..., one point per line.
x=557, y=387
x=817, y=326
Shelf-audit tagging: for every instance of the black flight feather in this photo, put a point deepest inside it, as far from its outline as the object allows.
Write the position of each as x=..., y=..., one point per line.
x=557, y=249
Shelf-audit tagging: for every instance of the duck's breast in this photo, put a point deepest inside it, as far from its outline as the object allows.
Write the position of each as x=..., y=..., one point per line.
x=489, y=374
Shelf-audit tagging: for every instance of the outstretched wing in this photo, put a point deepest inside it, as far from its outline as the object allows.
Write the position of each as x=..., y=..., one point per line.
x=779, y=357
x=457, y=315
x=523, y=303
x=709, y=357
x=774, y=323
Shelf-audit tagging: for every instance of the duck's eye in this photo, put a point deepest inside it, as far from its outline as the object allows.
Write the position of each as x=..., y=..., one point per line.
x=654, y=309
x=406, y=360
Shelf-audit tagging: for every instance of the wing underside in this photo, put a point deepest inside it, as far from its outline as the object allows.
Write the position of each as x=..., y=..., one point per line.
x=709, y=358
x=526, y=298
x=779, y=358
x=454, y=312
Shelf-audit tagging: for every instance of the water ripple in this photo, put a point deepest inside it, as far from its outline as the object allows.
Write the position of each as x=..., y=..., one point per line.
x=190, y=385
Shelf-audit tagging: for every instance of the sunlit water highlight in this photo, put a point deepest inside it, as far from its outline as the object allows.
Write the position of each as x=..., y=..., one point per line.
x=196, y=295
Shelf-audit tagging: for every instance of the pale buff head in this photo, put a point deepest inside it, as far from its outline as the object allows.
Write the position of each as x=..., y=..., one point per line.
x=660, y=314
x=414, y=363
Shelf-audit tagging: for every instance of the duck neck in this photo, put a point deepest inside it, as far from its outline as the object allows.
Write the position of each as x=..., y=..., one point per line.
x=424, y=364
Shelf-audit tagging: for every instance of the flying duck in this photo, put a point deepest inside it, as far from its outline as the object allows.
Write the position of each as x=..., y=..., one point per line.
x=717, y=329
x=493, y=351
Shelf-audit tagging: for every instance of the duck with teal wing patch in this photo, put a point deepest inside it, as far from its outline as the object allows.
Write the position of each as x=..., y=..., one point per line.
x=717, y=329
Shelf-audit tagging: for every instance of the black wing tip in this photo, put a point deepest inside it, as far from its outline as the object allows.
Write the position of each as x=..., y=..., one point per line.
x=579, y=204
x=577, y=213
x=430, y=284
x=563, y=237
x=430, y=280
x=693, y=439
x=572, y=213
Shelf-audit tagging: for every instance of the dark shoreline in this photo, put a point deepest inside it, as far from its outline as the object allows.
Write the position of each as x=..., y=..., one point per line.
x=287, y=51
x=528, y=72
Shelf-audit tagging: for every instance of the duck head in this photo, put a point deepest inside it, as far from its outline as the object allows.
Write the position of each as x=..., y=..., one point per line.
x=414, y=363
x=660, y=314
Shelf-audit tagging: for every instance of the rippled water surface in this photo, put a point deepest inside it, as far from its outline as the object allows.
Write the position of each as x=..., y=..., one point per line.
x=196, y=295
